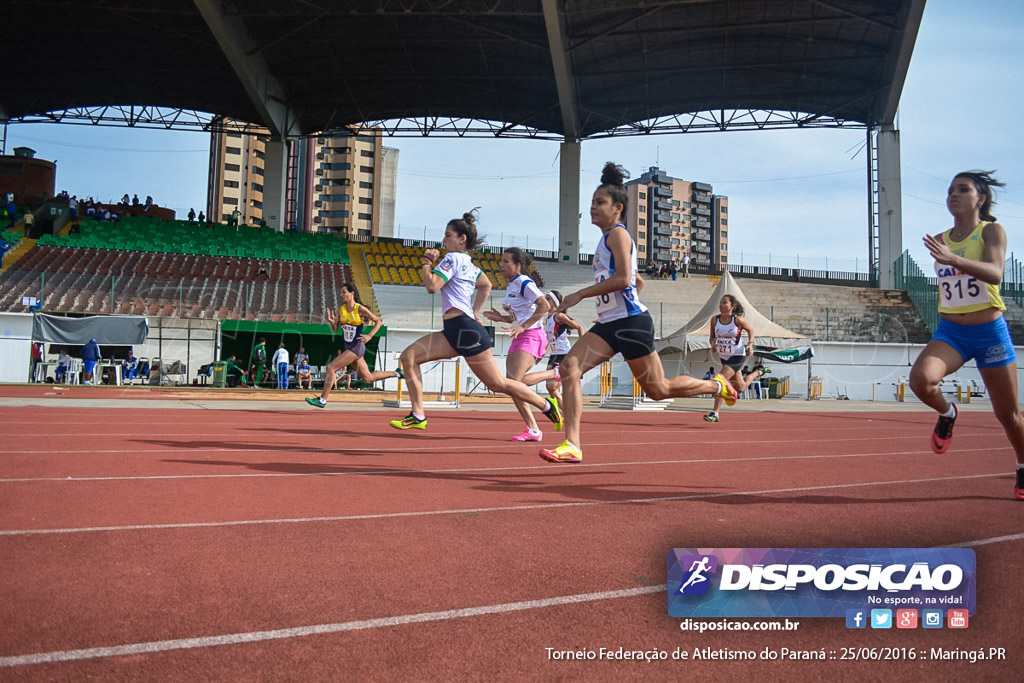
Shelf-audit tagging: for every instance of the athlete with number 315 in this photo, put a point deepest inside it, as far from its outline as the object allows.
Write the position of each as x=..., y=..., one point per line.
x=969, y=261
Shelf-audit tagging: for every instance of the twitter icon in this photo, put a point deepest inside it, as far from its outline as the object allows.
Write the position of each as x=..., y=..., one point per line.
x=881, y=618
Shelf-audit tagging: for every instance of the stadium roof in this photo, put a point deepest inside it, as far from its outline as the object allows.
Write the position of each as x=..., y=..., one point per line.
x=548, y=68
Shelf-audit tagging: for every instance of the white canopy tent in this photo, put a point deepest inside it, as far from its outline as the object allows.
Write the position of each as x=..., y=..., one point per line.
x=689, y=346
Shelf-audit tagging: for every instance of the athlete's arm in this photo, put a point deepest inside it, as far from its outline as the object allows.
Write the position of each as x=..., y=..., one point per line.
x=989, y=269
x=620, y=243
x=542, y=308
x=745, y=326
x=372, y=317
x=431, y=280
x=711, y=333
x=483, y=290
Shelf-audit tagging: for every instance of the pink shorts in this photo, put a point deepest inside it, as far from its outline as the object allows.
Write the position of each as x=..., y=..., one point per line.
x=533, y=341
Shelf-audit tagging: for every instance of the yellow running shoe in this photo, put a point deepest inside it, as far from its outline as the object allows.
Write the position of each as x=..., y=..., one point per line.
x=554, y=413
x=564, y=452
x=409, y=422
x=725, y=390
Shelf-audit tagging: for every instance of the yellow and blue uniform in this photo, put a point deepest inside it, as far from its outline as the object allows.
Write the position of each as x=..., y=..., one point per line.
x=959, y=292
x=351, y=323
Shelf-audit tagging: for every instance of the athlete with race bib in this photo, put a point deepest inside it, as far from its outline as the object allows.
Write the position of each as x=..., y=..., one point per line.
x=726, y=337
x=352, y=316
x=969, y=261
x=557, y=329
x=623, y=323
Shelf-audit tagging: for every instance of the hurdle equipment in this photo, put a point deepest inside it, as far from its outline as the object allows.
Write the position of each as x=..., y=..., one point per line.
x=637, y=400
x=447, y=397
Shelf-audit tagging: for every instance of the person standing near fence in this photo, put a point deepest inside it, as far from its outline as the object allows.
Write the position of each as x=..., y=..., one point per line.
x=726, y=338
x=352, y=316
x=280, y=362
x=464, y=290
x=623, y=323
x=525, y=305
x=969, y=261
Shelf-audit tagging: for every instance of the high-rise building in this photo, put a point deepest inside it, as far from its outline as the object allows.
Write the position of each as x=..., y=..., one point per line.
x=336, y=182
x=669, y=218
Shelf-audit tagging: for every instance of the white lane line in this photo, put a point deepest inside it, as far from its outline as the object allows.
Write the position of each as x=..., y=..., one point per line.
x=341, y=627
x=458, y=470
x=319, y=629
x=463, y=511
x=184, y=449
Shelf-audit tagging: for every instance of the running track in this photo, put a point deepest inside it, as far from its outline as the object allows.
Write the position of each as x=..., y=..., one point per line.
x=309, y=545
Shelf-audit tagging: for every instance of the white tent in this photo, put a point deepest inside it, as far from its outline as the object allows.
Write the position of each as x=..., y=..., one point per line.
x=689, y=347
x=694, y=335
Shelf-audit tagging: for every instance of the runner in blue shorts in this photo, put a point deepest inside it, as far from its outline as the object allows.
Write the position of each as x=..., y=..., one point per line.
x=969, y=260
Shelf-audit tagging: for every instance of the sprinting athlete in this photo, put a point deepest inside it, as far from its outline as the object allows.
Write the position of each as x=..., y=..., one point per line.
x=525, y=306
x=557, y=329
x=352, y=316
x=623, y=323
x=464, y=290
x=969, y=260
x=726, y=334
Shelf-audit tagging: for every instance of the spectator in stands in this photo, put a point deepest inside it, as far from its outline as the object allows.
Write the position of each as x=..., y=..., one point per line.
x=233, y=221
x=686, y=265
x=710, y=374
x=125, y=201
x=191, y=215
x=235, y=374
x=258, y=362
x=12, y=211
x=30, y=223
x=280, y=364
x=264, y=273
x=346, y=374
x=304, y=374
x=73, y=205
x=202, y=219
x=90, y=356
x=673, y=270
x=301, y=356
x=91, y=211
x=129, y=366
x=63, y=363
x=148, y=204
x=135, y=200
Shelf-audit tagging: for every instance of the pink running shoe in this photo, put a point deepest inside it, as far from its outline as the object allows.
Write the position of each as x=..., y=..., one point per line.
x=527, y=436
x=943, y=432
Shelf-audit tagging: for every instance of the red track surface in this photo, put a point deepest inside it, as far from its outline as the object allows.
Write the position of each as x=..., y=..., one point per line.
x=133, y=527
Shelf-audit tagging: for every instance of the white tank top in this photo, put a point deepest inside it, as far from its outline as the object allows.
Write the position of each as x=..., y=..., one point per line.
x=460, y=275
x=559, y=344
x=521, y=299
x=624, y=303
x=727, y=339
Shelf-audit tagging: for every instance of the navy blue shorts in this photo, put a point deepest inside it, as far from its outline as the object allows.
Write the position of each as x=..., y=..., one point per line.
x=466, y=335
x=633, y=337
x=988, y=343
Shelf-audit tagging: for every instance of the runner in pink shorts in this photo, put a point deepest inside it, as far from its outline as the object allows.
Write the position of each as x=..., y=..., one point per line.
x=525, y=307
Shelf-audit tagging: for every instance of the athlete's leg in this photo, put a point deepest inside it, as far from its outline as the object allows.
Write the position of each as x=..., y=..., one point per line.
x=433, y=346
x=363, y=371
x=937, y=360
x=516, y=365
x=486, y=368
x=589, y=352
x=554, y=388
x=649, y=372
x=331, y=380
x=1001, y=384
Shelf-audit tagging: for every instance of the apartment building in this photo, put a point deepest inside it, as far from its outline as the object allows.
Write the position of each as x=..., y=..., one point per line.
x=339, y=182
x=670, y=218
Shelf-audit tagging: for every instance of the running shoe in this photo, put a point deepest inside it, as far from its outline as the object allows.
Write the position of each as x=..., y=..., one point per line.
x=764, y=370
x=943, y=432
x=725, y=390
x=400, y=373
x=1018, y=490
x=409, y=422
x=527, y=436
x=555, y=414
x=564, y=452
x=316, y=402
x=711, y=417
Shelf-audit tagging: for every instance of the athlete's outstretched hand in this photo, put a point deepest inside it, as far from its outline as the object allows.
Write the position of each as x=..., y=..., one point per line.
x=569, y=301
x=329, y=314
x=494, y=315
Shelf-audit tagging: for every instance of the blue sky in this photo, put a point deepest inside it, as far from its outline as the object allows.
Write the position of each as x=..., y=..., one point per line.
x=791, y=193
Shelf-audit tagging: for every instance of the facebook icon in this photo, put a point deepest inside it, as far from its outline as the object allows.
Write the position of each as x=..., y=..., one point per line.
x=856, y=618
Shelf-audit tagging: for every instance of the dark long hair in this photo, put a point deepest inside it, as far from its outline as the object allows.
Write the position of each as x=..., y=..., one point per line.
x=737, y=307
x=524, y=260
x=466, y=226
x=983, y=181
x=355, y=292
x=612, y=176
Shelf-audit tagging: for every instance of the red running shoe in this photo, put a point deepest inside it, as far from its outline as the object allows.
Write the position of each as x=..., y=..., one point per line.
x=943, y=433
x=1018, y=490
